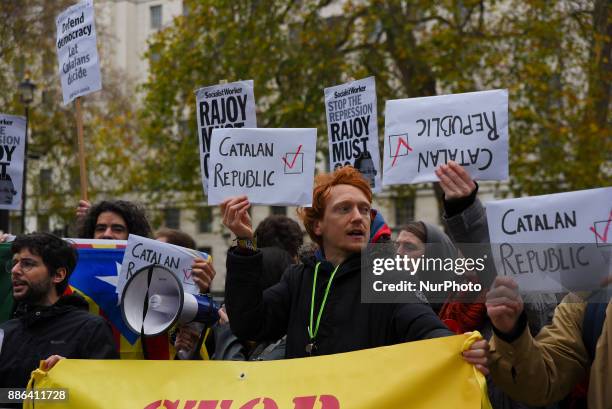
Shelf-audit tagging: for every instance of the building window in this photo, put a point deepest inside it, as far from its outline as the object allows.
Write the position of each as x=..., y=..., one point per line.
x=156, y=17
x=404, y=210
x=44, y=180
x=186, y=9
x=172, y=218
x=205, y=219
x=42, y=223
x=15, y=226
x=278, y=210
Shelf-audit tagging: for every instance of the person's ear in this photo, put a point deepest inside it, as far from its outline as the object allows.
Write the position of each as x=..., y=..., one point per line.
x=59, y=276
x=317, y=229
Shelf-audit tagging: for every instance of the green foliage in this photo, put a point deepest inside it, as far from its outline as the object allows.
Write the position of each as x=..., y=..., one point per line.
x=110, y=123
x=550, y=55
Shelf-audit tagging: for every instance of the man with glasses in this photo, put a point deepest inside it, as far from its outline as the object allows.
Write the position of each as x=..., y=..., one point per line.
x=48, y=325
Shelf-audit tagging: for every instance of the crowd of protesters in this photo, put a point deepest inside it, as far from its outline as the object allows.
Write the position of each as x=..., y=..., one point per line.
x=288, y=299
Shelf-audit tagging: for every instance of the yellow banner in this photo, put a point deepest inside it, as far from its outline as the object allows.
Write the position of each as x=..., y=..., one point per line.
x=426, y=374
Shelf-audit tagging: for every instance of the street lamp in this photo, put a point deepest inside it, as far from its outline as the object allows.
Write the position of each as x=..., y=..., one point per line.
x=26, y=96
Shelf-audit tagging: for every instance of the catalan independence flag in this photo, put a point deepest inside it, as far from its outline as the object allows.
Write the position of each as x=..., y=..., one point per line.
x=95, y=279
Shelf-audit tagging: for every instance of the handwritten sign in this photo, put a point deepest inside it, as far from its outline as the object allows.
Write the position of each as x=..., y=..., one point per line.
x=424, y=133
x=352, y=129
x=12, y=147
x=553, y=242
x=77, y=52
x=270, y=166
x=222, y=106
x=141, y=252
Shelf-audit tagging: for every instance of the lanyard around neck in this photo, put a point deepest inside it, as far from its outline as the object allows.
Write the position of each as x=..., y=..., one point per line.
x=313, y=331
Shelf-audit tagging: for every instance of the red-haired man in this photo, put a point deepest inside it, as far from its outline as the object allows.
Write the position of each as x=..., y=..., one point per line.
x=317, y=303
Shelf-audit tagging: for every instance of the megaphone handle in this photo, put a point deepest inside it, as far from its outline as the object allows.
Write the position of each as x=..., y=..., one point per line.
x=196, y=351
x=144, y=314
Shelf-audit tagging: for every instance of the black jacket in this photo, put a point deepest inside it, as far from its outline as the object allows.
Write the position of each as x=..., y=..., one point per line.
x=346, y=323
x=64, y=328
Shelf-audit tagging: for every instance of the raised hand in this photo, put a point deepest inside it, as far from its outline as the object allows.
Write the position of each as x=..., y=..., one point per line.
x=504, y=304
x=455, y=181
x=82, y=208
x=236, y=216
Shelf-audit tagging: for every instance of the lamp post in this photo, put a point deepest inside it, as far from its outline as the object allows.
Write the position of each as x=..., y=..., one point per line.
x=26, y=95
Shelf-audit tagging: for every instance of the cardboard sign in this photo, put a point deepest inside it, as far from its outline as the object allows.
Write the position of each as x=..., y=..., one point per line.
x=352, y=128
x=270, y=166
x=424, y=133
x=222, y=106
x=553, y=242
x=12, y=148
x=141, y=252
x=77, y=52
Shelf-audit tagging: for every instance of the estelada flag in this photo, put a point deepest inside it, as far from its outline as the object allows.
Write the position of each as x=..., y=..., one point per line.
x=95, y=279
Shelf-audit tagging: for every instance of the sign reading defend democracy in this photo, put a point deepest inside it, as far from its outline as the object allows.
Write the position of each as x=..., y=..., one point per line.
x=270, y=166
x=77, y=52
x=222, y=106
x=141, y=252
x=12, y=147
x=352, y=128
x=396, y=376
x=553, y=242
x=424, y=133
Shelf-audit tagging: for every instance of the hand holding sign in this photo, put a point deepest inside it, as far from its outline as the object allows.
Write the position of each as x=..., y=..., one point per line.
x=236, y=216
x=504, y=304
x=455, y=181
x=202, y=274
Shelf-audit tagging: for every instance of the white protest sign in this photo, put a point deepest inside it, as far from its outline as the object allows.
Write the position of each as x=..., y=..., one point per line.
x=222, y=106
x=270, y=166
x=141, y=252
x=554, y=242
x=352, y=128
x=77, y=52
x=424, y=133
x=12, y=148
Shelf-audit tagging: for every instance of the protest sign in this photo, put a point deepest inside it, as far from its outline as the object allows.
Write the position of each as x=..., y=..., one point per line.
x=553, y=242
x=222, y=106
x=12, y=148
x=77, y=52
x=270, y=166
x=352, y=128
x=142, y=252
x=424, y=133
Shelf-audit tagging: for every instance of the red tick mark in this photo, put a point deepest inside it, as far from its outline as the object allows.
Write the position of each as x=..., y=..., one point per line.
x=294, y=157
x=399, y=143
x=603, y=238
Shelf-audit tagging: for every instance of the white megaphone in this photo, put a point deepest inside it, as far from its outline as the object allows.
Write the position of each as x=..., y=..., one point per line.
x=154, y=300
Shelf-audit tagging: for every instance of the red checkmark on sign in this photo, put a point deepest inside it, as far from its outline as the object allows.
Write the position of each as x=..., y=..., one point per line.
x=295, y=155
x=187, y=273
x=400, y=142
x=604, y=238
